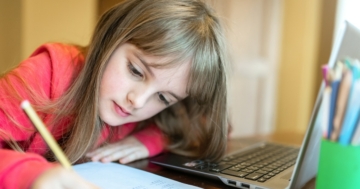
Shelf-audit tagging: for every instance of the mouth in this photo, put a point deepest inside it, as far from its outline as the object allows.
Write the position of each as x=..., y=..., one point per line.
x=121, y=111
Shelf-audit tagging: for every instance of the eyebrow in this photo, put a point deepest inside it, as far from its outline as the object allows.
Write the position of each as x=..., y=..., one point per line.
x=152, y=74
x=144, y=63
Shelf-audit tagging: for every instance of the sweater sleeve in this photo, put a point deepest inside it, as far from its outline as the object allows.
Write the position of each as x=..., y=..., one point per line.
x=152, y=137
x=19, y=170
x=37, y=73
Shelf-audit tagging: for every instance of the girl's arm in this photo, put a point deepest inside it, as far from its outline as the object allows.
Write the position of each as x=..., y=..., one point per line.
x=145, y=143
x=42, y=73
x=29, y=170
x=152, y=138
x=19, y=170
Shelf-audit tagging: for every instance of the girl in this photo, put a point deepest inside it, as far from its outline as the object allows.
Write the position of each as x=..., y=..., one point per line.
x=153, y=77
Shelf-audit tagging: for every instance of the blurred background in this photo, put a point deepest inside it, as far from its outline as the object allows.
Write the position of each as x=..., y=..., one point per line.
x=276, y=47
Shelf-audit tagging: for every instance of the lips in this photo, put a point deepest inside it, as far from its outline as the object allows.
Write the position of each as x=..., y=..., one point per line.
x=121, y=111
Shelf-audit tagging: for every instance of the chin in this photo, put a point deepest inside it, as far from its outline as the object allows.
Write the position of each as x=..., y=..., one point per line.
x=113, y=124
x=111, y=121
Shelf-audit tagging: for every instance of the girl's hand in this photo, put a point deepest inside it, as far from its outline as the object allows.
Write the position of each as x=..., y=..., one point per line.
x=126, y=151
x=61, y=178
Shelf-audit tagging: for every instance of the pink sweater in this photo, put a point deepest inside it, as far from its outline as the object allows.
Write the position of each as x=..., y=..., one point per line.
x=49, y=70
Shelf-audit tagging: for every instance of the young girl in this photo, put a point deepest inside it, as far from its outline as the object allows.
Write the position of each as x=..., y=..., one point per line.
x=152, y=78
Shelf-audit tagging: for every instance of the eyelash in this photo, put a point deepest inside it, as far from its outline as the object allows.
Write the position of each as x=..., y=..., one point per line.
x=134, y=71
x=163, y=99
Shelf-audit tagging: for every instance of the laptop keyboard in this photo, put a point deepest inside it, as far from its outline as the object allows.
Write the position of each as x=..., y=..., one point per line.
x=259, y=164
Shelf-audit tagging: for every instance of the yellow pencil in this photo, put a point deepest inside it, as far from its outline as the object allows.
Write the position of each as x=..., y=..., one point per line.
x=49, y=139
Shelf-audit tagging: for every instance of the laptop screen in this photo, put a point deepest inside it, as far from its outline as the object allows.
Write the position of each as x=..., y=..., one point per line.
x=347, y=44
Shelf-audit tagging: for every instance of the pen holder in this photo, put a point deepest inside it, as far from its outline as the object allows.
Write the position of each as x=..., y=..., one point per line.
x=339, y=166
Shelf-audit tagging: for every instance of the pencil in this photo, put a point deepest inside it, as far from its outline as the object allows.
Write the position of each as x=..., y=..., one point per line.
x=44, y=132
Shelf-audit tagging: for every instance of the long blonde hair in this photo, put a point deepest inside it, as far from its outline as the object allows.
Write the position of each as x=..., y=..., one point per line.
x=183, y=29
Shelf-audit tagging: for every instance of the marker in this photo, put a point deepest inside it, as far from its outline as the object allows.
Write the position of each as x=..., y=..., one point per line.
x=325, y=72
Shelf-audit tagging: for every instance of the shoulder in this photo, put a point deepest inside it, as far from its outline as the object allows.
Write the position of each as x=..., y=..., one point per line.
x=54, y=66
x=59, y=52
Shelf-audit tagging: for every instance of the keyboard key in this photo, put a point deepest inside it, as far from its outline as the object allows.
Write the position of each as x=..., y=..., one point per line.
x=219, y=168
x=262, y=179
x=267, y=169
x=253, y=167
x=266, y=176
x=262, y=171
x=276, y=171
x=259, y=165
x=247, y=170
x=254, y=176
x=235, y=173
x=234, y=168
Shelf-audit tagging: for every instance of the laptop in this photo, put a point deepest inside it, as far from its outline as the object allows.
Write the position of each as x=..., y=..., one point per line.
x=266, y=165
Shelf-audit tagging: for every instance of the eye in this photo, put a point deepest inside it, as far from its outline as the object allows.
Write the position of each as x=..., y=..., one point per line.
x=135, y=71
x=163, y=99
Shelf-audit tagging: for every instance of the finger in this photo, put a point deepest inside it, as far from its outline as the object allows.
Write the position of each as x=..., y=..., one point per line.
x=139, y=153
x=124, y=143
x=135, y=155
x=60, y=178
x=100, y=150
x=118, y=154
x=106, y=152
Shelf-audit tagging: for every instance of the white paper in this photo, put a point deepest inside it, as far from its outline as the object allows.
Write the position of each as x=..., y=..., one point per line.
x=114, y=175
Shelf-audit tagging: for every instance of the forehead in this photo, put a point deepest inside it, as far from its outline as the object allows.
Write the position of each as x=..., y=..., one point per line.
x=165, y=75
x=172, y=78
x=177, y=74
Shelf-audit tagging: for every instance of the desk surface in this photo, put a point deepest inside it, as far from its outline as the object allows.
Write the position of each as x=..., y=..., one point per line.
x=287, y=138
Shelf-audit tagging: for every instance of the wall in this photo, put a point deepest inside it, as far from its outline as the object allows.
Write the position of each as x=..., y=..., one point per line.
x=27, y=24
x=306, y=44
x=10, y=32
x=52, y=20
x=253, y=30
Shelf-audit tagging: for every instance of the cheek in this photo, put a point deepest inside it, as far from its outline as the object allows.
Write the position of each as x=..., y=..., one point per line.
x=152, y=109
x=113, y=81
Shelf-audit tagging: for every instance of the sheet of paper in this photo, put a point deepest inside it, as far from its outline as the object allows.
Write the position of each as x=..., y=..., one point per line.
x=114, y=175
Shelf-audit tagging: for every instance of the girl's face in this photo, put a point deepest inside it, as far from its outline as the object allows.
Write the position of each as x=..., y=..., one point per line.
x=131, y=90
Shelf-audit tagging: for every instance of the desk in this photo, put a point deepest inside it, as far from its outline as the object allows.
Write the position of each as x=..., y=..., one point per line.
x=288, y=138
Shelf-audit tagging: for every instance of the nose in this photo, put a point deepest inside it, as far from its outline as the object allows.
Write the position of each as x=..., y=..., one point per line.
x=139, y=97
